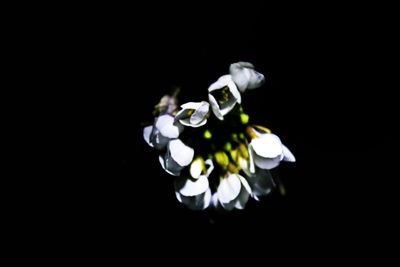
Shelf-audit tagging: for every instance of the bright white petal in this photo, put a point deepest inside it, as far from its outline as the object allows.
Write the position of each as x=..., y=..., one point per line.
x=229, y=188
x=200, y=113
x=189, y=187
x=240, y=77
x=165, y=124
x=188, y=123
x=267, y=145
x=242, y=199
x=245, y=184
x=235, y=92
x=207, y=199
x=266, y=163
x=220, y=83
x=288, y=156
x=182, y=114
x=191, y=105
x=210, y=165
x=199, y=202
x=180, y=153
x=178, y=196
x=215, y=107
x=251, y=159
x=146, y=134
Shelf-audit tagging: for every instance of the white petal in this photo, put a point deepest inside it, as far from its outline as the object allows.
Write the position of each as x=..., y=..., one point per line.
x=187, y=122
x=266, y=163
x=245, y=184
x=178, y=196
x=180, y=153
x=146, y=134
x=170, y=170
x=215, y=107
x=242, y=199
x=191, y=105
x=227, y=106
x=159, y=142
x=182, y=114
x=188, y=187
x=256, y=79
x=199, y=202
x=210, y=168
x=200, y=113
x=220, y=83
x=235, y=92
x=229, y=188
x=267, y=145
x=288, y=156
x=165, y=124
x=240, y=77
x=251, y=159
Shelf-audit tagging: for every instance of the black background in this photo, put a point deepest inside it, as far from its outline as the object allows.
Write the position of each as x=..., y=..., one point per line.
x=328, y=96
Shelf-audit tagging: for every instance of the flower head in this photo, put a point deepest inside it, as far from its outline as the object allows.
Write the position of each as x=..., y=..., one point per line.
x=227, y=164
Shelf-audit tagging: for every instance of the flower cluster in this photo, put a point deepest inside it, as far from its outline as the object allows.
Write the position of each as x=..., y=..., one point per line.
x=218, y=161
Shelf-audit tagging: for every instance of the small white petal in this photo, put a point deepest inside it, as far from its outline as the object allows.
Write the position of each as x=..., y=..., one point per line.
x=182, y=114
x=191, y=105
x=188, y=123
x=178, y=196
x=288, y=156
x=229, y=188
x=266, y=163
x=220, y=83
x=256, y=79
x=180, y=153
x=165, y=124
x=215, y=107
x=189, y=187
x=242, y=199
x=200, y=113
x=165, y=165
x=146, y=134
x=251, y=159
x=267, y=145
x=245, y=184
x=199, y=202
x=210, y=168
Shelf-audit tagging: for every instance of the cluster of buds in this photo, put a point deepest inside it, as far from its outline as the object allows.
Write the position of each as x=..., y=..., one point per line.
x=218, y=161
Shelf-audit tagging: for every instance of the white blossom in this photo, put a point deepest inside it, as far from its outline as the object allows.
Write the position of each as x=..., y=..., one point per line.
x=223, y=96
x=267, y=151
x=233, y=192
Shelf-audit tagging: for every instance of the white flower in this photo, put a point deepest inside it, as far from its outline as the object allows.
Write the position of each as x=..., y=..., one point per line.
x=177, y=157
x=245, y=77
x=162, y=132
x=267, y=151
x=232, y=192
x=223, y=96
x=193, y=114
x=195, y=193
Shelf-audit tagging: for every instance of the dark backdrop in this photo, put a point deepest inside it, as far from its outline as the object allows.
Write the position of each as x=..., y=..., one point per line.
x=327, y=96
